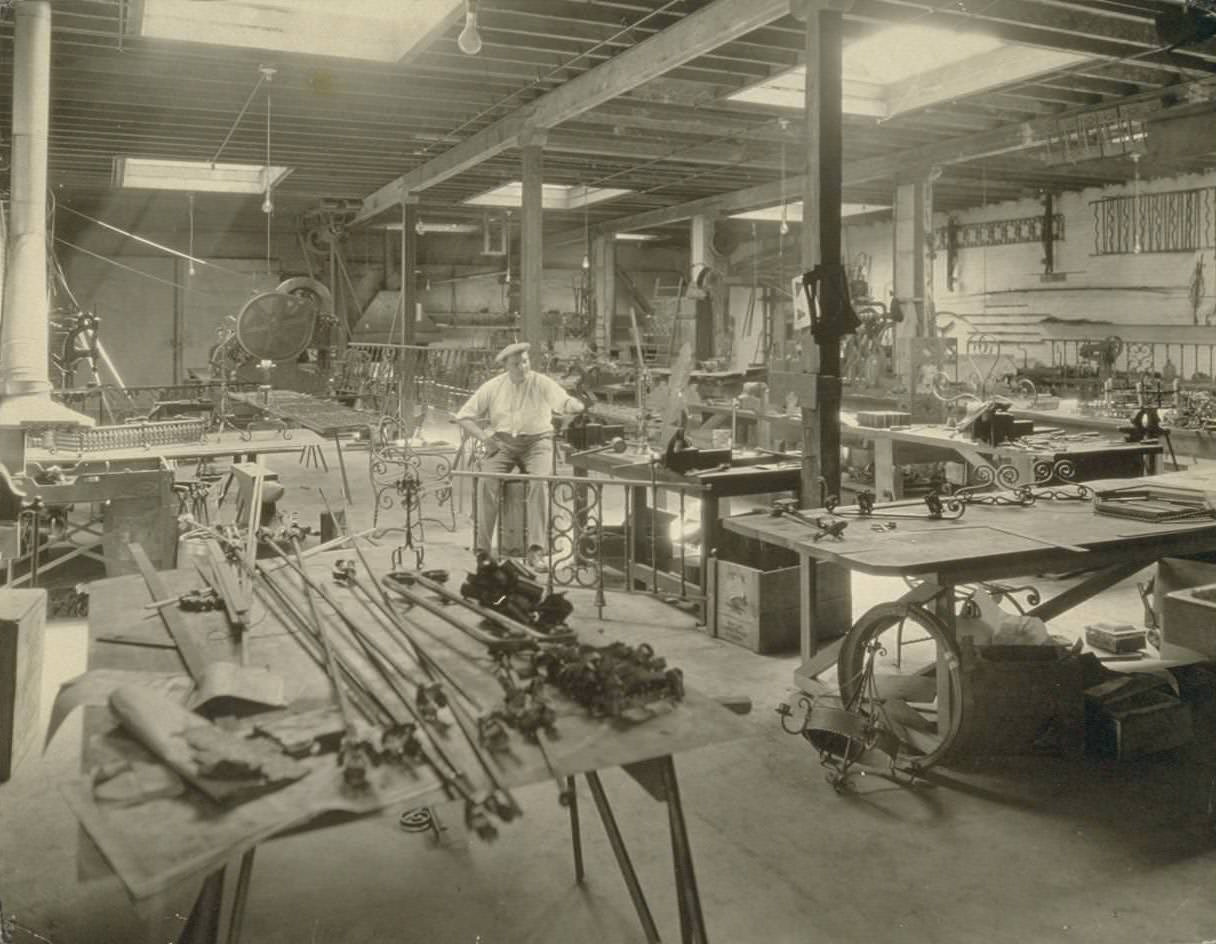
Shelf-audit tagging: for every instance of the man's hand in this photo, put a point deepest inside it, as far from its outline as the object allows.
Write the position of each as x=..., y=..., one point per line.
x=490, y=443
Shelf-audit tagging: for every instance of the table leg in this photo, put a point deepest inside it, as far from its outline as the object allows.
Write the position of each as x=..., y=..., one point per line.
x=825, y=613
x=576, y=837
x=219, y=908
x=888, y=482
x=342, y=468
x=622, y=857
x=241, y=897
x=943, y=606
x=709, y=540
x=692, y=921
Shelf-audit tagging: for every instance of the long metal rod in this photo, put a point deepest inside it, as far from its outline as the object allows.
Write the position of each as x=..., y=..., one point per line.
x=576, y=837
x=331, y=665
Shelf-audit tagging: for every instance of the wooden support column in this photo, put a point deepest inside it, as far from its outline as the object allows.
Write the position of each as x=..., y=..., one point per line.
x=913, y=271
x=700, y=259
x=826, y=602
x=603, y=275
x=821, y=242
x=532, y=237
x=409, y=262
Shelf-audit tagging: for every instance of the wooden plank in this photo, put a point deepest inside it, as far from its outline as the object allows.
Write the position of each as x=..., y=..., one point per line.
x=693, y=36
x=192, y=650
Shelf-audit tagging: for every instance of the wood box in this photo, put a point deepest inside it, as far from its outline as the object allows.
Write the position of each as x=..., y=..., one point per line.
x=22, y=625
x=1189, y=620
x=1147, y=723
x=757, y=609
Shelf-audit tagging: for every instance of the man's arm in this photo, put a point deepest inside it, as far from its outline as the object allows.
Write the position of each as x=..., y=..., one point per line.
x=559, y=401
x=469, y=417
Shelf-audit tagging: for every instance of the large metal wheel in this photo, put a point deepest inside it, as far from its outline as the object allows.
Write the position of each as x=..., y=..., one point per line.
x=915, y=683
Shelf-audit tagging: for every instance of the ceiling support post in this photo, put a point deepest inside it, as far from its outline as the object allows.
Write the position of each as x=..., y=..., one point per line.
x=603, y=274
x=532, y=238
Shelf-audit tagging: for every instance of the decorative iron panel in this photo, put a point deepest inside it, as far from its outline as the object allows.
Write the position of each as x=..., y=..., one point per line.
x=1026, y=229
x=1174, y=221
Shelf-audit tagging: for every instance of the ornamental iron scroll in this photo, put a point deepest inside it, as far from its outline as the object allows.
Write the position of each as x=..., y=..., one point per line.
x=1173, y=221
x=1026, y=229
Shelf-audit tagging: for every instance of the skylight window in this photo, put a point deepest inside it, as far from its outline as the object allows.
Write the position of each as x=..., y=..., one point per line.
x=793, y=212
x=899, y=53
x=553, y=196
x=195, y=176
x=908, y=67
x=361, y=29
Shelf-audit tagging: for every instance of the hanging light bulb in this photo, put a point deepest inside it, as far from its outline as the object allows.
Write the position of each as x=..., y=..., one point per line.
x=419, y=228
x=191, y=269
x=586, y=261
x=470, y=40
x=267, y=204
x=785, y=223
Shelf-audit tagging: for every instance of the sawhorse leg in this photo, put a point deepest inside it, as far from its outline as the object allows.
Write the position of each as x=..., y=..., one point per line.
x=658, y=777
x=622, y=858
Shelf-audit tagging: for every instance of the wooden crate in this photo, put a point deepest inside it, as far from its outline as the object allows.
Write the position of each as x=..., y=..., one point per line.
x=22, y=625
x=757, y=609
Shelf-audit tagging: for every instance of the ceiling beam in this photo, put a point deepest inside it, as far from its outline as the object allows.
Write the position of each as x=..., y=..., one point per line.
x=692, y=36
x=1003, y=140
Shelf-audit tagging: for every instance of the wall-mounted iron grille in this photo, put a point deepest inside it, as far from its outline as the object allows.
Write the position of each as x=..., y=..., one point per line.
x=1027, y=229
x=1174, y=221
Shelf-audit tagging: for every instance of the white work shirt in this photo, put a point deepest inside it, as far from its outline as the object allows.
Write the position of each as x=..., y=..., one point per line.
x=519, y=409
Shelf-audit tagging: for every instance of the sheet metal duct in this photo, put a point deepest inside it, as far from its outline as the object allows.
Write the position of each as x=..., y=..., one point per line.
x=24, y=382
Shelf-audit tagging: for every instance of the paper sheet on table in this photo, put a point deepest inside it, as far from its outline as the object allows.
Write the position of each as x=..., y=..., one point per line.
x=96, y=686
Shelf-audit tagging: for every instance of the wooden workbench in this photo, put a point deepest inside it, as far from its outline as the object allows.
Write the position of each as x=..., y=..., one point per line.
x=1061, y=459
x=987, y=543
x=168, y=841
x=751, y=474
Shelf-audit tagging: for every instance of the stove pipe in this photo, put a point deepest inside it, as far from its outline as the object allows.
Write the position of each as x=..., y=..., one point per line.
x=24, y=385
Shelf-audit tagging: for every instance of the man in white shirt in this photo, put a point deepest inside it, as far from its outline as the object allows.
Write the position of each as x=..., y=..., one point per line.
x=512, y=414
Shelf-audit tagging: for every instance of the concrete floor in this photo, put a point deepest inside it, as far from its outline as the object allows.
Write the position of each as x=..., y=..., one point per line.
x=1016, y=850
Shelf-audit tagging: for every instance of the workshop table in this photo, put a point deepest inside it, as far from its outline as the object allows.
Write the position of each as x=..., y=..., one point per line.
x=326, y=418
x=988, y=543
x=751, y=474
x=216, y=445
x=1196, y=443
x=1045, y=459
x=165, y=845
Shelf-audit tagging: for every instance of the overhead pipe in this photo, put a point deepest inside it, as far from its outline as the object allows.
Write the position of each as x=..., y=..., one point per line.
x=24, y=376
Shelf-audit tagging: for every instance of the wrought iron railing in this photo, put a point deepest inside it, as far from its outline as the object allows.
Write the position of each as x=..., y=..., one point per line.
x=438, y=377
x=598, y=537
x=1184, y=360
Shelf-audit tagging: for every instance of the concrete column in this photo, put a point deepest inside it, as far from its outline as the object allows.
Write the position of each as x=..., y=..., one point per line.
x=532, y=236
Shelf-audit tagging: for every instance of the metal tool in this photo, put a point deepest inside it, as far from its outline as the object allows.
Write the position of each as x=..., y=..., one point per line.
x=823, y=525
